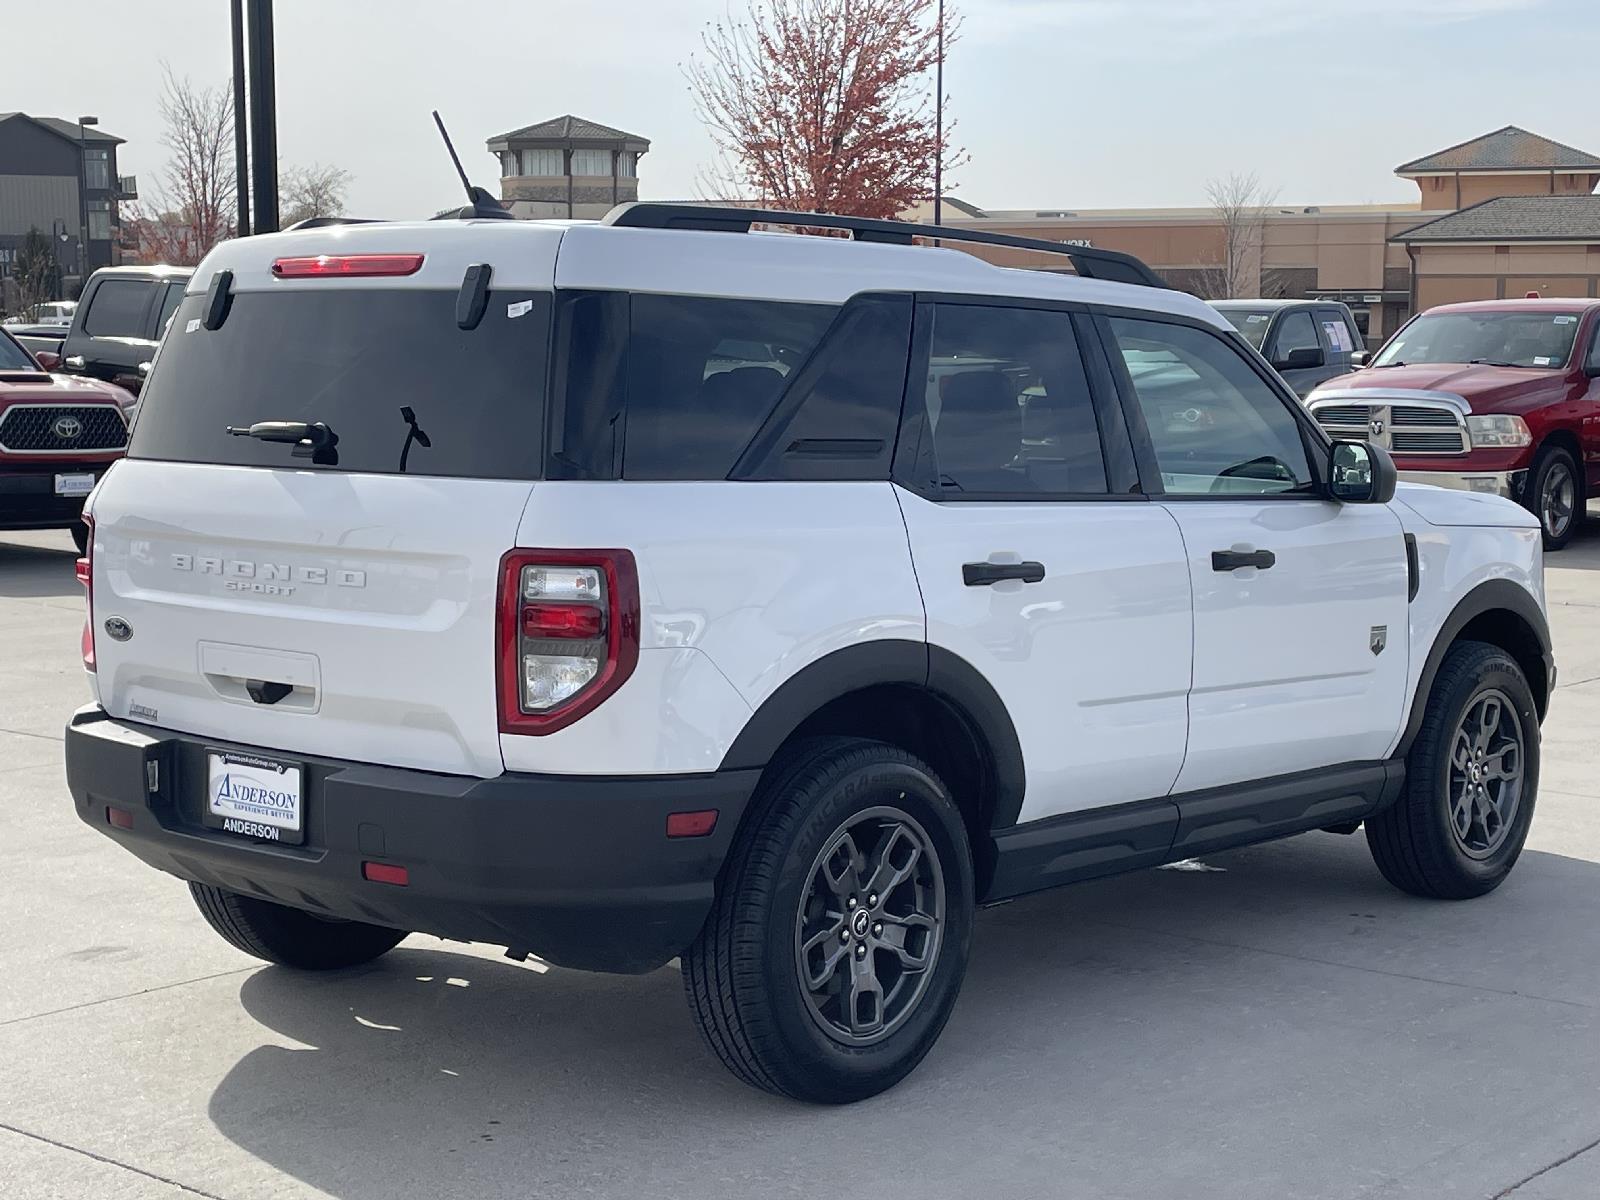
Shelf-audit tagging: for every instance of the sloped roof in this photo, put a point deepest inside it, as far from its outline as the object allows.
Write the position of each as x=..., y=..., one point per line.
x=568, y=128
x=1507, y=149
x=1515, y=219
x=67, y=129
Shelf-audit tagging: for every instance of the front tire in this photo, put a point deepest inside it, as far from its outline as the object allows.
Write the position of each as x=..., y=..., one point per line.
x=838, y=941
x=1471, y=779
x=288, y=936
x=1555, y=496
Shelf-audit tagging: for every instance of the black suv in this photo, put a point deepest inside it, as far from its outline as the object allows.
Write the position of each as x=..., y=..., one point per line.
x=120, y=319
x=1307, y=341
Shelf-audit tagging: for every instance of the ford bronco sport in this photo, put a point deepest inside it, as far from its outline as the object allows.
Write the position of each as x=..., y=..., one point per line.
x=655, y=589
x=1495, y=396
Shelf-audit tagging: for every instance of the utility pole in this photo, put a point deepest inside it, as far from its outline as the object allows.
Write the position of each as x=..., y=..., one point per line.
x=241, y=143
x=83, y=196
x=263, y=117
x=938, y=123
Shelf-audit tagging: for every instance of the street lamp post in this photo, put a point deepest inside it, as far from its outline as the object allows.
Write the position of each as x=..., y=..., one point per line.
x=59, y=237
x=938, y=122
x=83, y=188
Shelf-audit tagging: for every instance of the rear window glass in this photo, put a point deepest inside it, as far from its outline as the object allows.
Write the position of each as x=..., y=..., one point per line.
x=357, y=361
x=1251, y=322
x=671, y=387
x=117, y=307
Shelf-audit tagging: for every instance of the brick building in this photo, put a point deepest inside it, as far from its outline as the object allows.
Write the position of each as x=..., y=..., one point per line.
x=567, y=167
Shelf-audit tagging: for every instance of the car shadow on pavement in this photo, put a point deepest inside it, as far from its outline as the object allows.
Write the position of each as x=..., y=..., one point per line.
x=1270, y=990
x=32, y=571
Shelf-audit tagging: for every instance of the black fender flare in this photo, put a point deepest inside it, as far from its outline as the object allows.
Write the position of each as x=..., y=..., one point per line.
x=1495, y=595
x=947, y=675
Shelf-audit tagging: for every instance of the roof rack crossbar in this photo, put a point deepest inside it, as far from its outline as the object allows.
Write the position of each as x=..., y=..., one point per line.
x=1088, y=261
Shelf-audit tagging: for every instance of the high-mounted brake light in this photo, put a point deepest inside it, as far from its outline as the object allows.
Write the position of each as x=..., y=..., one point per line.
x=568, y=634
x=346, y=266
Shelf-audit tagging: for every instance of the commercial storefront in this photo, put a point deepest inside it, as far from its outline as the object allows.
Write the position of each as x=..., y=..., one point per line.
x=1503, y=214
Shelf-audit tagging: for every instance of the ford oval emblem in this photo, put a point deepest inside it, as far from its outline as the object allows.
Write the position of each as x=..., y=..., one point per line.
x=118, y=629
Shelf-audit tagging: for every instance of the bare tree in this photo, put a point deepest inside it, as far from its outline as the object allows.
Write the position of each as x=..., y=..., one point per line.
x=824, y=105
x=1240, y=204
x=35, y=271
x=193, y=202
x=314, y=191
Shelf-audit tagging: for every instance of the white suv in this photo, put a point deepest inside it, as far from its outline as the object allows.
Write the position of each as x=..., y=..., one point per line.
x=653, y=588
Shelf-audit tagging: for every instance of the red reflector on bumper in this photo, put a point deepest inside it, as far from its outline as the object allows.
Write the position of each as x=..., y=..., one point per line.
x=691, y=824
x=385, y=873
x=120, y=817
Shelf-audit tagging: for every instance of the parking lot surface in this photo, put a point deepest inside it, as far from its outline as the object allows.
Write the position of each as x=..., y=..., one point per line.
x=1276, y=1022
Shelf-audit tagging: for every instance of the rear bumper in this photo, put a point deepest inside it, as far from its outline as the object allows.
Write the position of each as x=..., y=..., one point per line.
x=576, y=870
x=1509, y=484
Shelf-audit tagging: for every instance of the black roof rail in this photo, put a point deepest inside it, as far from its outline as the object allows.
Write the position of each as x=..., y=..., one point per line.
x=1087, y=261
x=323, y=222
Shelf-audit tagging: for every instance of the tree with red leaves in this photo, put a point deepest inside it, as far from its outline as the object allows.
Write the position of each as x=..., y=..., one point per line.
x=193, y=205
x=825, y=105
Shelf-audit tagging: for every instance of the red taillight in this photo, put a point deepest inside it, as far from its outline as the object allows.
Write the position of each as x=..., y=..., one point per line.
x=346, y=266
x=377, y=872
x=84, y=569
x=562, y=621
x=568, y=634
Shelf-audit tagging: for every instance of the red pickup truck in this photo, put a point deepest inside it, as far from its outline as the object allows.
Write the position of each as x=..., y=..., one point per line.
x=58, y=434
x=1498, y=396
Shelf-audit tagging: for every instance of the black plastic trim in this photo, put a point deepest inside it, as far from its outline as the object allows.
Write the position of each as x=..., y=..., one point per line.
x=891, y=661
x=472, y=301
x=1494, y=595
x=1239, y=814
x=1413, y=568
x=575, y=869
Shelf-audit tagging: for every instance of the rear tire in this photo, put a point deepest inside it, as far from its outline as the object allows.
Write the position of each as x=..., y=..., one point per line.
x=1555, y=495
x=1458, y=827
x=839, y=938
x=288, y=936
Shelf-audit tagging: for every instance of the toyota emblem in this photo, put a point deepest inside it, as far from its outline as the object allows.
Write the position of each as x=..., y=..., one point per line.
x=67, y=428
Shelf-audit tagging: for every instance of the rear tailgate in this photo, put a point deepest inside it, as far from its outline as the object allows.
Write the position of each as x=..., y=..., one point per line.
x=339, y=604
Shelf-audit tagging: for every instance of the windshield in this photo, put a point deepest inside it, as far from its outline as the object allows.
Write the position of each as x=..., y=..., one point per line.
x=1252, y=322
x=13, y=357
x=1504, y=339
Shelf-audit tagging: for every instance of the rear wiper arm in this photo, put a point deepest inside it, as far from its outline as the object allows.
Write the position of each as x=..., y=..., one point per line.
x=314, y=441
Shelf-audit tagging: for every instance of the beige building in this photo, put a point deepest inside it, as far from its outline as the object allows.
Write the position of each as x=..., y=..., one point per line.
x=1501, y=215
x=567, y=167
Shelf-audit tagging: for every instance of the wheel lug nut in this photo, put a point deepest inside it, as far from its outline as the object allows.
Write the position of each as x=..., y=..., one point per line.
x=861, y=951
x=844, y=935
x=877, y=929
x=851, y=902
x=872, y=899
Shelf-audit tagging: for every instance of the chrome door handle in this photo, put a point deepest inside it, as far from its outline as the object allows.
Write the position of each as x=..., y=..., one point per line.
x=75, y=361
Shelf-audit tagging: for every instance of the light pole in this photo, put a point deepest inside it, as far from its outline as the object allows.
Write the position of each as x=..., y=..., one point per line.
x=83, y=188
x=59, y=237
x=938, y=122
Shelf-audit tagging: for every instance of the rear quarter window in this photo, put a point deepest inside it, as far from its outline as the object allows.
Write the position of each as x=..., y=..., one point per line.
x=357, y=361
x=117, y=308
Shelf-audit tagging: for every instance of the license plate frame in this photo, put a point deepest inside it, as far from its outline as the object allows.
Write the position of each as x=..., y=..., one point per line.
x=254, y=797
x=74, y=484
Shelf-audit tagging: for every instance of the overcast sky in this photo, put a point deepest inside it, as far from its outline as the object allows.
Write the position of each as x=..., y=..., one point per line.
x=1061, y=103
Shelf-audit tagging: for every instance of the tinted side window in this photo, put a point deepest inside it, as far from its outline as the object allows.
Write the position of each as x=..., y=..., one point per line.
x=169, y=305
x=1008, y=404
x=840, y=411
x=702, y=376
x=1215, y=425
x=1295, y=332
x=1338, y=334
x=1593, y=360
x=117, y=308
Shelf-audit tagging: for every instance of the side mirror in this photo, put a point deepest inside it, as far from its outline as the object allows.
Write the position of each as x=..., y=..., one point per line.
x=48, y=360
x=1361, y=473
x=1360, y=358
x=1301, y=358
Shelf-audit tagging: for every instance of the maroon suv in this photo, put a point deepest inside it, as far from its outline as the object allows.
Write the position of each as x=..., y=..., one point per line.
x=58, y=434
x=1497, y=396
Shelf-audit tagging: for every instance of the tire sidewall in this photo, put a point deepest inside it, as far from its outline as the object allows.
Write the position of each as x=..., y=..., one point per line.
x=1495, y=673
x=833, y=1068
x=1548, y=457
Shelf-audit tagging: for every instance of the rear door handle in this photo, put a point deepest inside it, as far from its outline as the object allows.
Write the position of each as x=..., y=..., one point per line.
x=1232, y=560
x=75, y=361
x=982, y=574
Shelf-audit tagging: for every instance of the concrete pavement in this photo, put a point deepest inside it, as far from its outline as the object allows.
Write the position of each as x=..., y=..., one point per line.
x=1283, y=1026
